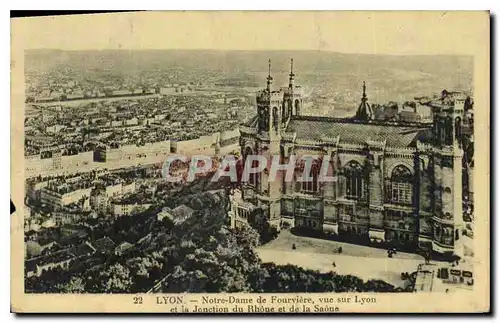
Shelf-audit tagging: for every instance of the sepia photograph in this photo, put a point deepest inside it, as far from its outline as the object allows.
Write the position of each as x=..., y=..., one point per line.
x=171, y=167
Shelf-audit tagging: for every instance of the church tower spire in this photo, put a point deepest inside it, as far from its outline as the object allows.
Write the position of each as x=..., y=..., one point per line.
x=364, y=98
x=292, y=76
x=364, y=112
x=269, y=78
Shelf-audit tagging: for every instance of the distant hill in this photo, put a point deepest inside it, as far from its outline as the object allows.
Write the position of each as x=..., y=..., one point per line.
x=392, y=76
x=305, y=61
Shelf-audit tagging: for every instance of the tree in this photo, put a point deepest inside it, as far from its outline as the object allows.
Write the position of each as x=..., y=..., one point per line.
x=74, y=286
x=115, y=279
x=220, y=261
x=379, y=286
x=207, y=256
x=145, y=266
x=145, y=271
x=199, y=254
x=293, y=279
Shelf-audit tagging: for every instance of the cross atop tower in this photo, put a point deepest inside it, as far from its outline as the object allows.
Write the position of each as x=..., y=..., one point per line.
x=290, y=84
x=269, y=77
x=364, y=98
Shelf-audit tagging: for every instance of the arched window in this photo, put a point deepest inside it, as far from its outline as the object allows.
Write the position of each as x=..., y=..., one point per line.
x=449, y=131
x=267, y=114
x=297, y=107
x=442, y=131
x=311, y=186
x=448, y=236
x=401, y=185
x=290, y=108
x=262, y=119
x=354, y=180
x=252, y=178
x=458, y=129
x=437, y=233
x=275, y=118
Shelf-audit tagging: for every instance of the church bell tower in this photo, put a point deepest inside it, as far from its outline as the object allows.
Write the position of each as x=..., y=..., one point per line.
x=269, y=103
x=448, y=156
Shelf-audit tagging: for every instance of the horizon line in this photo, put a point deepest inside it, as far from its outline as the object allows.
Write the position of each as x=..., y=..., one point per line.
x=243, y=50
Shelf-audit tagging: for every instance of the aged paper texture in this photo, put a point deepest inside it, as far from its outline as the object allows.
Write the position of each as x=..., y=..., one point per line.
x=251, y=162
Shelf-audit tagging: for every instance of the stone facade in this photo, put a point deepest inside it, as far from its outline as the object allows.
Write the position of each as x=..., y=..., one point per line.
x=398, y=183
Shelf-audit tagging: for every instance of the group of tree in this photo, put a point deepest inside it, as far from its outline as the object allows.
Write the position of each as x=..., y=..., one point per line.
x=203, y=254
x=293, y=279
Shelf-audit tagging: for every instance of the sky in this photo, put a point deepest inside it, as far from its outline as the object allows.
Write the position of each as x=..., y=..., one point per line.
x=400, y=33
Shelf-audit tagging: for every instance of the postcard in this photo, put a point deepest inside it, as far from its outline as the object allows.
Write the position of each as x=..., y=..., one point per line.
x=251, y=162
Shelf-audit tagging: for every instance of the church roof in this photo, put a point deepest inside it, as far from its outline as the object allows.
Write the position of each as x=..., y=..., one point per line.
x=314, y=128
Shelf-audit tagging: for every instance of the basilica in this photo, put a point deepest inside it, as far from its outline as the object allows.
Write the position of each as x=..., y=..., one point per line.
x=398, y=183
